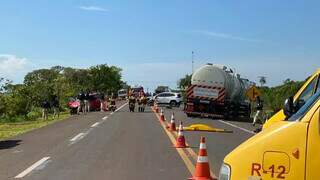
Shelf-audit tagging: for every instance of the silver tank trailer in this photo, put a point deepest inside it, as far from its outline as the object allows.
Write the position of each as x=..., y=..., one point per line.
x=221, y=76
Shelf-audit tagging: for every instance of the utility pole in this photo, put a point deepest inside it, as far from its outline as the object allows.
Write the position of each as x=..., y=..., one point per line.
x=192, y=61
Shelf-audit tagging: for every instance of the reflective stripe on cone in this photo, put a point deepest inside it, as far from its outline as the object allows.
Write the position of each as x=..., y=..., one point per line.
x=202, y=171
x=181, y=141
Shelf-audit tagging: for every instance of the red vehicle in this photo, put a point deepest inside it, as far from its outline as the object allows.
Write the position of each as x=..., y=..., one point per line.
x=94, y=102
x=137, y=91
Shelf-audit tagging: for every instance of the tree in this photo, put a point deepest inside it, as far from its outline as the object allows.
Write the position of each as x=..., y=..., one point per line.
x=40, y=85
x=22, y=101
x=184, y=82
x=262, y=80
x=274, y=97
x=104, y=78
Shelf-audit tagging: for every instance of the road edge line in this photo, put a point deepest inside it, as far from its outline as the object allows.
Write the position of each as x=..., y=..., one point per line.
x=190, y=151
x=182, y=154
x=238, y=127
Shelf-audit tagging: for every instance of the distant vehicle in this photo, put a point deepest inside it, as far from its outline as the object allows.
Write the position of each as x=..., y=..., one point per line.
x=161, y=89
x=217, y=90
x=94, y=102
x=173, y=99
x=151, y=99
x=122, y=93
x=137, y=90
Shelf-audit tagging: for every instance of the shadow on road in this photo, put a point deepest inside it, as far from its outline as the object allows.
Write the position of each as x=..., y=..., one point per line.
x=8, y=144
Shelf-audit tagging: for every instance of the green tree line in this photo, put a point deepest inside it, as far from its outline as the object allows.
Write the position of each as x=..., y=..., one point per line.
x=19, y=102
x=274, y=97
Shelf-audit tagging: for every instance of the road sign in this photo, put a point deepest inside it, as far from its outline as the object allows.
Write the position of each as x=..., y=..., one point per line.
x=253, y=92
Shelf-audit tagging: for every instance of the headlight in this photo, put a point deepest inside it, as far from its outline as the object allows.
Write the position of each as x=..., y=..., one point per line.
x=225, y=172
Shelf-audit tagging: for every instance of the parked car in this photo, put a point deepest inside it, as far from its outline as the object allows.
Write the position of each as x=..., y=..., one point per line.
x=94, y=102
x=173, y=99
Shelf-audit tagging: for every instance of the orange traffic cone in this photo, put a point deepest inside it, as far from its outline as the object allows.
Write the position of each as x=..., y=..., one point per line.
x=162, y=115
x=172, y=123
x=202, y=166
x=181, y=141
x=156, y=107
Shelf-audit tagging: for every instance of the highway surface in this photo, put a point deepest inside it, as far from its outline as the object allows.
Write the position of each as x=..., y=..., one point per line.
x=118, y=146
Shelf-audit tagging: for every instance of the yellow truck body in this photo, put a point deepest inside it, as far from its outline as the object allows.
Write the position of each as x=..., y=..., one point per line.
x=279, y=116
x=287, y=149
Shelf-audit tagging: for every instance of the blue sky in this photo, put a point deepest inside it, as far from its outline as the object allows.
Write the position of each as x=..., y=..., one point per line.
x=152, y=41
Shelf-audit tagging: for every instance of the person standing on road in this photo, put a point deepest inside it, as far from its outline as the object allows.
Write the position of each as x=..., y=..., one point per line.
x=56, y=106
x=140, y=103
x=113, y=102
x=144, y=102
x=45, y=109
x=86, y=102
x=102, y=102
x=132, y=102
x=259, y=114
x=81, y=98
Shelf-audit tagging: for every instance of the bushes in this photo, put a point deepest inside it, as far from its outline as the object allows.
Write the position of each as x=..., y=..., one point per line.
x=21, y=102
x=34, y=114
x=274, y=97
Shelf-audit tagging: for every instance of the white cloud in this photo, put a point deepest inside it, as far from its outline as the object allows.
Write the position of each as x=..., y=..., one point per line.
x=9, y=64
x=225, y=36
x=93, y=8
x=14, y=68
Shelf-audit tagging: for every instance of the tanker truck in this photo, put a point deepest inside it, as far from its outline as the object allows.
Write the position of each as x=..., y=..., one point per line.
x=216, y=91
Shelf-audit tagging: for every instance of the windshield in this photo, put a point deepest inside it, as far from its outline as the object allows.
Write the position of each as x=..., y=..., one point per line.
x=305, y=108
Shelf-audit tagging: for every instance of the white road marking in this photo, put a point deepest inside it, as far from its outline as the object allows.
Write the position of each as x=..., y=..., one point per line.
x=17, y=151
x=32, y=167
x=77, y=137
x=106, y=117
x=121, y=107
x=82, y=135
x=235, y=126
x=95, y=124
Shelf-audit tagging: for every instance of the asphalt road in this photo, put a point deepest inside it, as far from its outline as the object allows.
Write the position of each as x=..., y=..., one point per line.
x=119, y=146
x=218, y=144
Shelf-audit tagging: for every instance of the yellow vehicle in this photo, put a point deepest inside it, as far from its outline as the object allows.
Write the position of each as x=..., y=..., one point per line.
x=304, y=93
x=286, y=150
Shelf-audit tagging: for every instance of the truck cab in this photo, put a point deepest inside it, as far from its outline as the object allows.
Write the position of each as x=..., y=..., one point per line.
x=310, y=87
x=288, y=149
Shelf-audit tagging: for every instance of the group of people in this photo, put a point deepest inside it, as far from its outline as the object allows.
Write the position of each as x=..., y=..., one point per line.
x=83, y=98
x=48, y=104
x=105, y=102
x=141, y=100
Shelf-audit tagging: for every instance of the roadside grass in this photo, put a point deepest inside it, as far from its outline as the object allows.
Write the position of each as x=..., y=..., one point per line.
x=8, y=130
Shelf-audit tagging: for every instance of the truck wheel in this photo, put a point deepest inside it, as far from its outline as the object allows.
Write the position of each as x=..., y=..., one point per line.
x=173, y=103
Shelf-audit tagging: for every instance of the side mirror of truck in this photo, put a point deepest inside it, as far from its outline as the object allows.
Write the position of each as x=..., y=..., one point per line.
x=288, y=107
